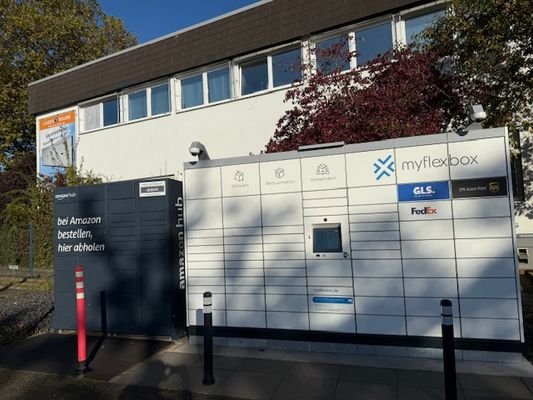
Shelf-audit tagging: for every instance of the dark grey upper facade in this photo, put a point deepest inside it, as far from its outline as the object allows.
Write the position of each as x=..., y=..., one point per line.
x=265, y=25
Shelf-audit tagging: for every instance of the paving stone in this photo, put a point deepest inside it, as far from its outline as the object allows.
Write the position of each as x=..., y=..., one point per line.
x=529, y=383
x=358, y=390
x=506, y=386
x=265, y=366
x=250, y=385
x=420, y=378
x=193, y=382
x=491, y=395
x=176, y=378
x=305, y=388
x=385, y=376
x=179, y=359
x=424, y=393
x=228, y=363
x=318, y=370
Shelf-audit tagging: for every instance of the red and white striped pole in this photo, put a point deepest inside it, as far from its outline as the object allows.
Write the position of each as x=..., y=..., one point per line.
x=80, y=312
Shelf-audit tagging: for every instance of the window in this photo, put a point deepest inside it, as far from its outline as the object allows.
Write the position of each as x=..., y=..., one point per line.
x=274, y=70
x=110, y=111
x=150, y=101
x=327, y=239
x=415, y=25
x=205, y=87
x=137, y=105
x=160, y=99
x=254, y=76
x=218, y=85
x=372, y=42
x=332, y=54
x=100, y=114
x=192, y=93
x=286, y=67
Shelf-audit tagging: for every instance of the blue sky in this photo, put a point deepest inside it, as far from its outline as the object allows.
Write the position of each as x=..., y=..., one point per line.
x=151, y=19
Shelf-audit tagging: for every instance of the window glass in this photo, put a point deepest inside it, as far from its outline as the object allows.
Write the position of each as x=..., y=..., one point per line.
x=91, y=117
x=371, y=42
x=218, y=85
x=160, y=99
x=286, y=67
x=110, y=111
x=332, y=54
x=192, y=93
x=137, y=105
x=254, y=76
x=327, y=240
x=415, y=25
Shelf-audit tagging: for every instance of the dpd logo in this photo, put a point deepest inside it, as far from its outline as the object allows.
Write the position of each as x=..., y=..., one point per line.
x=383, y=167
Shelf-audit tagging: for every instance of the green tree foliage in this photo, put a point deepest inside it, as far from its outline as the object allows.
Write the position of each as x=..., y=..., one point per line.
x=33, y=204
x=39, y=38
x=488, y=45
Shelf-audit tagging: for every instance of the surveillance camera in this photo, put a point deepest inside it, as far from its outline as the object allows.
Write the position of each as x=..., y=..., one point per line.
x=477, y=114
x=195, y=151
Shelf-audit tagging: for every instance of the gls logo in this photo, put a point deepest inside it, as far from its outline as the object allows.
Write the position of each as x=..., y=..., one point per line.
x=423, y=191
x=423, y=211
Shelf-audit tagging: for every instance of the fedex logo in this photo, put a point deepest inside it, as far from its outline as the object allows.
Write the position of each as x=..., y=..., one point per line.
x=423, y=211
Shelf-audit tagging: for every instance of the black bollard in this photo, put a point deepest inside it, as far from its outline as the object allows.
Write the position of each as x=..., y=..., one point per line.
x=448, y=350
x=209, y=378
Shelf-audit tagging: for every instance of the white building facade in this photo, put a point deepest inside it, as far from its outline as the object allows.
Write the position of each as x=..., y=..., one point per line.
x=231, y=105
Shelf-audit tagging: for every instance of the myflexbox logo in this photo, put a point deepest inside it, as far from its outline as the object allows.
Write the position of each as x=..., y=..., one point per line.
x=384, y=167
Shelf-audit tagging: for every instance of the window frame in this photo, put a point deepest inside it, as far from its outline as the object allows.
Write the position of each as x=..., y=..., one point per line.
x=148, y=89
x=203, y=72
x=268, y=54
x=100, y=101
x=351, y=31
x=234, y=66
x=404, y=15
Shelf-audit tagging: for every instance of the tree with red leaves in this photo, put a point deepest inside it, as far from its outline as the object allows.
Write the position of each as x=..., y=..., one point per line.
x=402, y=93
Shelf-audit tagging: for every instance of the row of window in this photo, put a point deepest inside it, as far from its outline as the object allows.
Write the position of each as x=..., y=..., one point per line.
x=263, y=72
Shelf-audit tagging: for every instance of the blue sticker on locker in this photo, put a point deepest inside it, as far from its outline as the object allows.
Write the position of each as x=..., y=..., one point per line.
x=333, y=300
x=423, y=191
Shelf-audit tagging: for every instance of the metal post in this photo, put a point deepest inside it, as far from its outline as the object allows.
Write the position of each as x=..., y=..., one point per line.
x=209, y=378
x=31, y=250
x=448, y=350
x=80, y=316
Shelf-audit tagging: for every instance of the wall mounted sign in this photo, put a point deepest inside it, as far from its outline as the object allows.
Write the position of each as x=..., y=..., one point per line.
x=479, y=187
x=423, y=191
x=153, y=188
x=56, y=134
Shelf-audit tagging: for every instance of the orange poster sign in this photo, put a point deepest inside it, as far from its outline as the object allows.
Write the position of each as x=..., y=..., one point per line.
x=57, y=120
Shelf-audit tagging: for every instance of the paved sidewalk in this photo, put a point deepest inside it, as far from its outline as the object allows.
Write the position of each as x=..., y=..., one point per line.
x=165, y=369
x=278, y=375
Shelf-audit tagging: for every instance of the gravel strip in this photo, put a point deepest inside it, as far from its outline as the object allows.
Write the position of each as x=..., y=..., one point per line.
x=24, y=313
